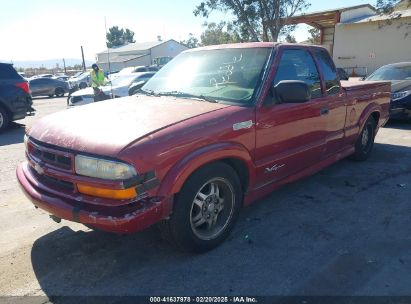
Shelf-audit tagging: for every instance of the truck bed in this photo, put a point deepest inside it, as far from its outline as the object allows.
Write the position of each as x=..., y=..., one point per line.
x=355, y=85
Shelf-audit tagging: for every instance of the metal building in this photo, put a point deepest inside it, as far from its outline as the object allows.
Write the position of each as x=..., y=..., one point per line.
x=359, y=39
x=136, y=54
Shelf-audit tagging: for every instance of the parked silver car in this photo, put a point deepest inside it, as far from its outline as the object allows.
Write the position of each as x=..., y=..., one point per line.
x=122, y=86
x=48, y=87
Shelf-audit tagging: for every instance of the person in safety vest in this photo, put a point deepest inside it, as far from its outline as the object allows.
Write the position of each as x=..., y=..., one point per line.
x=97, y=79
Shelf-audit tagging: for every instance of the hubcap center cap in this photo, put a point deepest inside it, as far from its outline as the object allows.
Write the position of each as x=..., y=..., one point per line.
x=211, y=207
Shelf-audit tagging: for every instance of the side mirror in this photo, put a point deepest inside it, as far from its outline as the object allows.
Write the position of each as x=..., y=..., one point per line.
x=292, y=91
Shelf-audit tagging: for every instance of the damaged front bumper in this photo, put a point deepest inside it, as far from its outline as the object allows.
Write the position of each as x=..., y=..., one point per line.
x=119, y=219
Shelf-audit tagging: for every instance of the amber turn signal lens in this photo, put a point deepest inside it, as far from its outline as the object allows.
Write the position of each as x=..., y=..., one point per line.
x=107, y=193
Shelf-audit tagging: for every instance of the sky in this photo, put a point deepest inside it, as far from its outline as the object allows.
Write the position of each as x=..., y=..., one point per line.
x=49, y=29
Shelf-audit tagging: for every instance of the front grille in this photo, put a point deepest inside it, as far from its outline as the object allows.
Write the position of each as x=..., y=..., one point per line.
x=50, y=157
x=53, y=182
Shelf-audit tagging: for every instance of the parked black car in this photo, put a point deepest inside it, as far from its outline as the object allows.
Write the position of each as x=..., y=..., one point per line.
x=15, y=99
x=400, y=76
x=48, y=87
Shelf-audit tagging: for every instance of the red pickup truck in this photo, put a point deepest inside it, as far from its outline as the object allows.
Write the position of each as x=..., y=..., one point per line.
x=217, y=128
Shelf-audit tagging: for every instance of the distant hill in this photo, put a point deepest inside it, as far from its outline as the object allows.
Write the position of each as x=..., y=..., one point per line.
x=49, y=64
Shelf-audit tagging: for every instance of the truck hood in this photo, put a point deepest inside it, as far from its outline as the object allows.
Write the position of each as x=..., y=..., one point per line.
x=106, y=127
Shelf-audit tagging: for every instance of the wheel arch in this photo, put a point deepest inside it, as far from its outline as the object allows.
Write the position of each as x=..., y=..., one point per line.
x=4, y=106
x=232, y=154
x=372, y=110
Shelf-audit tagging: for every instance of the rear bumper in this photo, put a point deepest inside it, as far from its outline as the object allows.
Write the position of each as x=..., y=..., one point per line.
x=118, y=219
x=23, y=109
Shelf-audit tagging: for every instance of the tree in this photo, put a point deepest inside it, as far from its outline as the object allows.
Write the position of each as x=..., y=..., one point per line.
x=220, y=33
x=191, y=42
x=257, y=19
x=388, y=6
x=290, y=39
x=315, y=36
x=118, y=37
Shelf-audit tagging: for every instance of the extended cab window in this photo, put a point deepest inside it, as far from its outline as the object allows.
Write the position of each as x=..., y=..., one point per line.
x=299, y=65
x=329, y=71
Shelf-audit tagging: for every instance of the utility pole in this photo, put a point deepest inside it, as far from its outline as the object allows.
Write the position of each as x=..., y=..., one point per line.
x=82, y=56
x=64, y=64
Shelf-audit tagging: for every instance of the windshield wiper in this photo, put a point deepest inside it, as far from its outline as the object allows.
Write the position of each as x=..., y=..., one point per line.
x=188, y=95
x=148, y=92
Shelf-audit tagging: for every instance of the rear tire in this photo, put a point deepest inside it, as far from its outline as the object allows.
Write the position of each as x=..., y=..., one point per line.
x=205, y=210
x=82, y=85
x=365, y=141
x=4, y=119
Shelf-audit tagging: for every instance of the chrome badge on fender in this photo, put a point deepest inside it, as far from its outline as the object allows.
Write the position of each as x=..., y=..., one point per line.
x=274, y=168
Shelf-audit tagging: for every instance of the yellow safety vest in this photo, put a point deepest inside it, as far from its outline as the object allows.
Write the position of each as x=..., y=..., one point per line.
x=97, y=79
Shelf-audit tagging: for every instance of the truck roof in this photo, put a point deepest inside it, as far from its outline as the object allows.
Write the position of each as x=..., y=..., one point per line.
x=245, y=45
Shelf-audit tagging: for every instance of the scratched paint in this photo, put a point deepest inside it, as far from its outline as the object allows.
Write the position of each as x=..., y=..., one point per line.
x=113, y=124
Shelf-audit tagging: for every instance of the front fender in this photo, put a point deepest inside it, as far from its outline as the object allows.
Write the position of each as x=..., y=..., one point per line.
x=178, y=174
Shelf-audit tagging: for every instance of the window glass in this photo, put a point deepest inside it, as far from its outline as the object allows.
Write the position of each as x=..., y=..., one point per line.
x=299, y=65
x=392, y=72
x=332, y=83
x=8, y=72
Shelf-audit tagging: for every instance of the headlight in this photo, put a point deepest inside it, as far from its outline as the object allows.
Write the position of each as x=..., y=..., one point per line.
x=105, y=169
x=399, y=95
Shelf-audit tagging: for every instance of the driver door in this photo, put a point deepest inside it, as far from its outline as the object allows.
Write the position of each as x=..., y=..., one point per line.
x=291, y=136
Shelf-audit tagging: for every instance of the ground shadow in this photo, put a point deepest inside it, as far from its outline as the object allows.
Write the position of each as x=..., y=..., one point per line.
x=339, y=232
x=14, y=134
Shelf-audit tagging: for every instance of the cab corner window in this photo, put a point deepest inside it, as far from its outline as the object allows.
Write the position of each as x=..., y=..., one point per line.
x=332, y=83
x=299, y=65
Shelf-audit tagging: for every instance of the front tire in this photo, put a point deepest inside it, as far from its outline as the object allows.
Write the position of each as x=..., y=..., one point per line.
x=59, y=92
x=205, y=210
x=365, y=141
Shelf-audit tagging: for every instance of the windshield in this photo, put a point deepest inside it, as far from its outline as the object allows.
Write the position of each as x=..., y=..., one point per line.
x=392, y=73
x=77, y=74
x=123, y=81
x=230, y=75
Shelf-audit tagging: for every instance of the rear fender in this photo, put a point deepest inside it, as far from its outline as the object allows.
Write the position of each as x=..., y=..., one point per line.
x=178, y=174
x=371, y=108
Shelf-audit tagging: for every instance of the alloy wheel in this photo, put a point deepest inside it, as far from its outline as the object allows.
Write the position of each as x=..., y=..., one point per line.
x=212, y=208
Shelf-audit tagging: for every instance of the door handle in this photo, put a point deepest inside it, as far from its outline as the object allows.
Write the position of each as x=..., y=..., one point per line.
x=325, y=111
